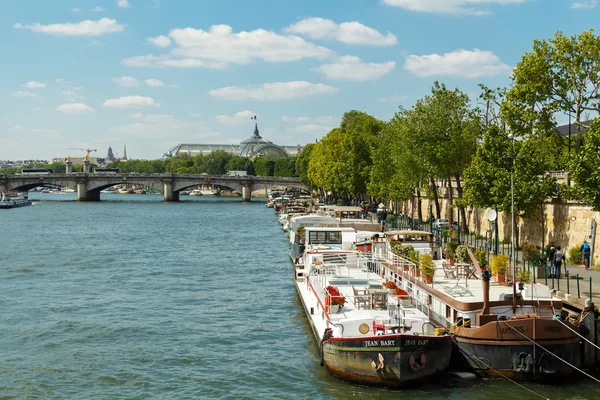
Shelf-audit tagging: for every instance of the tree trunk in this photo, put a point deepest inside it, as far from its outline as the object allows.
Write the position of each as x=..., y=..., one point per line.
x=450, y=201
x=436, y=200
x=419, y=208
x=543, y=226
x=463, y=215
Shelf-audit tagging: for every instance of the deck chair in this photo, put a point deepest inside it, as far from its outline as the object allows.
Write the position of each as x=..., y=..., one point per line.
x=360, y=299
x=449, y=271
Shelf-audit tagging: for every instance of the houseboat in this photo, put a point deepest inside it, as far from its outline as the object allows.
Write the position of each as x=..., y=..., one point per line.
x=366, y=334
x=495, y=333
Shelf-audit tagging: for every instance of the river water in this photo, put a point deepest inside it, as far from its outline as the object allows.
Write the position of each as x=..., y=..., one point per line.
x=132, y=298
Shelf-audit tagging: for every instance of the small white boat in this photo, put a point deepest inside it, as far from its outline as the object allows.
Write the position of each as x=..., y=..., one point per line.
x=210, y=191
x=13, y=200
x=110, y=190
x=196, y=192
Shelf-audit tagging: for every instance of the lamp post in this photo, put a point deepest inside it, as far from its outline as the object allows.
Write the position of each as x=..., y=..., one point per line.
x=512, y=220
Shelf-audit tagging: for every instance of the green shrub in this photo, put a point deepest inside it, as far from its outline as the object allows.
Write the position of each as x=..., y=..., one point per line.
x=426, y=265
x=404, y=250
x=499, y=264
x=574, y=256
x=451, y=249
x=532, y=253
x=462, y=254
x=524, y=276
x=482, y=258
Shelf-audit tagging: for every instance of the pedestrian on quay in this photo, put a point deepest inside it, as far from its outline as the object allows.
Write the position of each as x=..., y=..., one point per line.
x=585, y=253
x=558, y=259
x=550, y=258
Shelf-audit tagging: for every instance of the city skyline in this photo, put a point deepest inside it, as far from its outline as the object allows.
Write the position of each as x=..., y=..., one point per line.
x=154, y=74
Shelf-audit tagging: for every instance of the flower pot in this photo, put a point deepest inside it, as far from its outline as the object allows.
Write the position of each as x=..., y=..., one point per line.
x=334, y=308
x=452, y=261
x=499, y=278
x=427, y=278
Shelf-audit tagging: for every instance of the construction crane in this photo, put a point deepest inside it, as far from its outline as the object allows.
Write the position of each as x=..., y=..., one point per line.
x=88, y=151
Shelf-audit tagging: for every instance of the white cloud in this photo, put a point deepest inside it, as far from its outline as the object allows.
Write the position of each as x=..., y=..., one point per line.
x=220, y=46
x=273, y=91
x=461, y=63
x=346, y=32
x=123, y=4
x=150, y=61
x=195, y=115
x=23, y=93
x=38, y=109
x=160, y=41
x=74, y=108
x=97, y=9
x=313, y=129
x=126, y=81
x=469, y=7
x=585, y=4
x=309, y=120
x=75, y=10
x=392, y=99
x=235, y=119
x=157, y=126
x=33, y=85
x=18, y=128
x=60, y=81
x=71, y=96
x=83, y=28
x=154, y=83
x=131, y=102
x=354, y=69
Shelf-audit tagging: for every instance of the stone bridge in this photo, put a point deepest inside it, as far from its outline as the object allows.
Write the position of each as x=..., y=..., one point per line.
x=89, y=185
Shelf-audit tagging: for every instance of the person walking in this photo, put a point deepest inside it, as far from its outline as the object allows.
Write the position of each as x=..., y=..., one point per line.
x=558, y=259
x=585, y=252
x=550, y=258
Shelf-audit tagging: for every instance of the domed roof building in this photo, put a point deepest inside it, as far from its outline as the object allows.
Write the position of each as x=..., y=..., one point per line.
x=255, y=146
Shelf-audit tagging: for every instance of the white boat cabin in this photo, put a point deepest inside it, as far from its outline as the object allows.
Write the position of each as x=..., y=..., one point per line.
x=421, y=241
x=311, y=220
x=329, y=238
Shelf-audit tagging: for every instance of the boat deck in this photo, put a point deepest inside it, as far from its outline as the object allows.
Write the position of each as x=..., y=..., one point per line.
x=380, y=309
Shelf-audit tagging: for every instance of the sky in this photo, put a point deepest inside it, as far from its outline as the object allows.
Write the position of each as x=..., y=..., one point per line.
x=151, y=74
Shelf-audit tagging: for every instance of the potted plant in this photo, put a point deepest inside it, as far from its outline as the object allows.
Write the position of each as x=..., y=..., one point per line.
x=482, y=258
x=390, y=285
x=462, y=254
x=334, y=301
x=427, y=267
x=499, y=264
x=451, y=252
x=523, y=276
x=403, y=296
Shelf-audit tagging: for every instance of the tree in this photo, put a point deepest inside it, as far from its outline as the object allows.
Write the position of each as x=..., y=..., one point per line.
x=585, y=167
x=302, y=164
x=239, y=163
x=488, y=178
x=285, y=167
x=341, y=161
x=560, y=75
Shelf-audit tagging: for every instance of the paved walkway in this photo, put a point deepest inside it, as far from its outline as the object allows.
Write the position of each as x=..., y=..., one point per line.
x=577, y=288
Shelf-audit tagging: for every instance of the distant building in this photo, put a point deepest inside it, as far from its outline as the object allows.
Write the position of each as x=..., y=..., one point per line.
x=110, y=156
x=252, y=147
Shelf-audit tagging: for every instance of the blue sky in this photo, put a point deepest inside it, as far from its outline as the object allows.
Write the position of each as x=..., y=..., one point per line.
x=154, y=73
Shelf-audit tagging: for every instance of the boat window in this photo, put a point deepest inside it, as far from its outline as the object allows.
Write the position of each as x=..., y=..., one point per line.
x=448, y=312
x=325, y=237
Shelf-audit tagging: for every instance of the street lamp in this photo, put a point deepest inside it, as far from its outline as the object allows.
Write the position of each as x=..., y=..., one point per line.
x=512, y=219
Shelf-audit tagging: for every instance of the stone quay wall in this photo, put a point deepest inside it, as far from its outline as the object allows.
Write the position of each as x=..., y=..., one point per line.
x=567, y=224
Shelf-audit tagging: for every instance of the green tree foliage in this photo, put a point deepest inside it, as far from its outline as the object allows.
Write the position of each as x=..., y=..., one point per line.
x=559, y=75
x=342, y=160
x=141, y=166
x=263, y=166
x=585, y=167
x=285, y=167
x=302, y=164
x=239, y=163
x=487, y=179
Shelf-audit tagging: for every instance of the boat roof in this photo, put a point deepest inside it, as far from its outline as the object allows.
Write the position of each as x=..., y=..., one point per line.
x=301, y=218
x=346, y=208
x=408, y=232
x=324, y=229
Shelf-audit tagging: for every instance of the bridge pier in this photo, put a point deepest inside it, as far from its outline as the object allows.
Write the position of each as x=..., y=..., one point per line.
x=246, y=192
x=169, y=194
x=84, y=195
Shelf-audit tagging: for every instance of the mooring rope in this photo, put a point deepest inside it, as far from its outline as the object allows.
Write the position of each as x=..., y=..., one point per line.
x=479, y=360
x=577, y=333
x=547, y=351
